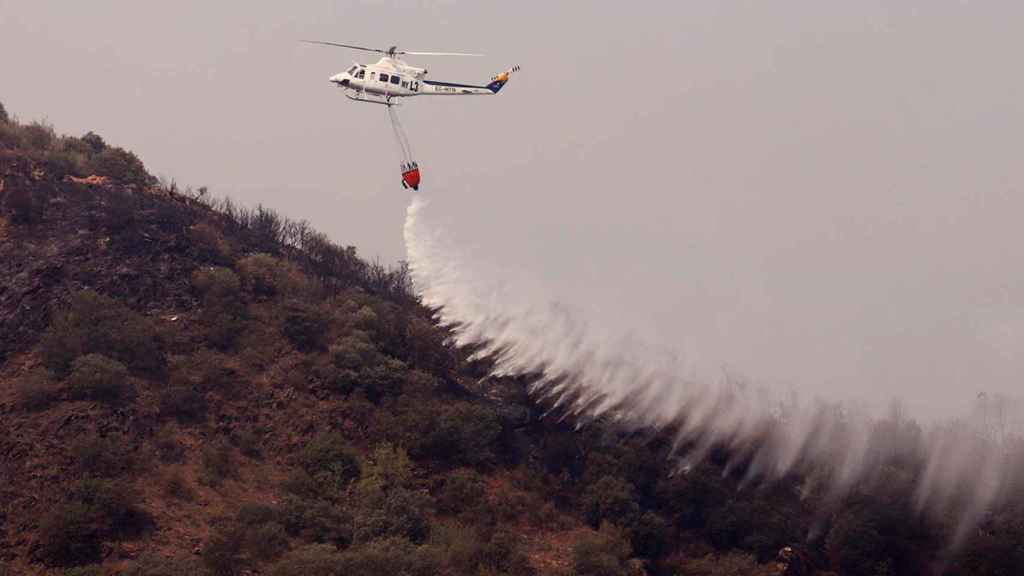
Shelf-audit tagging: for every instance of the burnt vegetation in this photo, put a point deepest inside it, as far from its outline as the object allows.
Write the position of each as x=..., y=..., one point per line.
x=190, y=386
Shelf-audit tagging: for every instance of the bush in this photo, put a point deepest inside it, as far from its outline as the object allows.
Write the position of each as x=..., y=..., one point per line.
x=95, y=510
x=183, y=403
x=37, y=136
x=328, y=460
x=305, y=328
x=463, y=490
x=602, y=554
x=397, y=512
x=268, y=276
x=152, y=564
x=216, y=285
x=167, y=446
x=121, y=165
x=610, y=499
x=93, y=570
x=35, y=391
x=68, y=536
x=222, y=554
x=217, y=463
x=177, y=486
x=388, y=556
x=10, y=136
x=461, y=549
x=102, y=457
x=266, y=541
x=209, y=244
x=464, y=434
x=96, y=377
x=249, y=443
x=3, y=114
x=316, y=520
x=312, y=560
x=650, y=536
x=22, y=205
x=94, y=142
x=734, y=564
x=387, y=468
x=95, y=324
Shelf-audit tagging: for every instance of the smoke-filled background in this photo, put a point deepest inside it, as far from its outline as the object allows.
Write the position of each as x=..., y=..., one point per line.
x=813, y=202
x=773, y=261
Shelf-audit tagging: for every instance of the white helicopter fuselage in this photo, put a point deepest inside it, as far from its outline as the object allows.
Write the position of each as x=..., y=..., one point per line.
x=392, y=78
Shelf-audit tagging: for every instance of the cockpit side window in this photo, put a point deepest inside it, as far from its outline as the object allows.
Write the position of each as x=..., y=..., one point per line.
x=361, y=74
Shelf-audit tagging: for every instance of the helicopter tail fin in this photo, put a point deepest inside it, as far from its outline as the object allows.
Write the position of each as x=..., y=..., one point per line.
x=501, y=79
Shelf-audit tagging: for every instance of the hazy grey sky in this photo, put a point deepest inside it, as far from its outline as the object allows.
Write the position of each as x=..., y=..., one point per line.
x=825, y=194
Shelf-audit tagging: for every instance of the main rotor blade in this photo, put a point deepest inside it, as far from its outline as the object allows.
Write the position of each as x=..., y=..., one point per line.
x=438, y=54
x=377, y=50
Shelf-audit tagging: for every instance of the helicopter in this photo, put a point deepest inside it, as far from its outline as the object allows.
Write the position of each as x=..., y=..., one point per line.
x=390, y=78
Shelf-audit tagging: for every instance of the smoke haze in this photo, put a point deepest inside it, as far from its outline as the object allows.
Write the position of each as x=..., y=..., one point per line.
x=820, y=201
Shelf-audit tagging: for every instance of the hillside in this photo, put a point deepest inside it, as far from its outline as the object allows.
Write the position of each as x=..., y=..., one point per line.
x=188, y=386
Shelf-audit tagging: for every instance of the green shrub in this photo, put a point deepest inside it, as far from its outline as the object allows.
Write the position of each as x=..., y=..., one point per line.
x=177, y=486
x=35, y=391
x=94, y=511
x=266, y=541
x=10, y=136
x=121, y=165
x=610, y=499
x=463, y=434
x=388, y=467
x=216, y=285
x=329, y=461
x=209, y=244
x=388, y=556
x=316, y=520
x=396, y=512
x=68, y=536
x=93, y=570
x=268, y=276
x=22, y=205
x=504, y=554
x=102, y=457
x=153, y=564
x=183, y=403
x=222, y=554
x=463, y=490
x=217, y=463
x=38, y=136
x=94, y=142
x=305, y=328
x=95, y=324
x=733, y=564
x=249, y=443
x=604, y=553
x=167, y=446
x=650, y=536
x=63, y=162
x=312, y=560
x=96, y=377
x=3, y=114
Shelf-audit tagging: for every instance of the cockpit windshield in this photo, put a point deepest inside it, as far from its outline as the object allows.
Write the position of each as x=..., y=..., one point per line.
x=352, y=70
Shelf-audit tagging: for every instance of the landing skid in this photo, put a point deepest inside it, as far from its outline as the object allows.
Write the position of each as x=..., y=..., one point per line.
x=362, y=97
